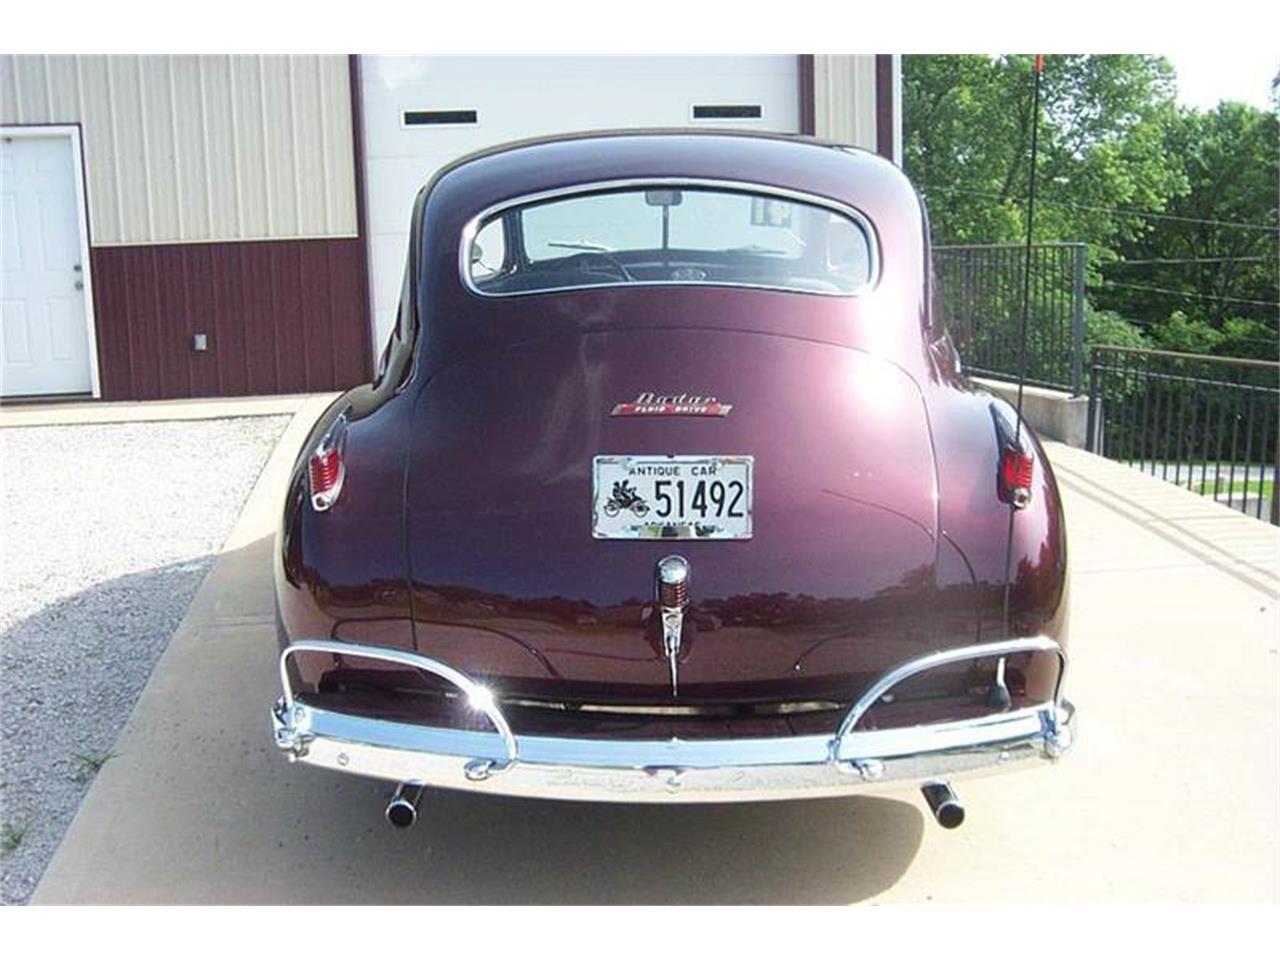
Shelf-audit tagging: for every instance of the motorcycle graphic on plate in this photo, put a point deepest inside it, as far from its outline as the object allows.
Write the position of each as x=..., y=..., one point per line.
x=623, y=497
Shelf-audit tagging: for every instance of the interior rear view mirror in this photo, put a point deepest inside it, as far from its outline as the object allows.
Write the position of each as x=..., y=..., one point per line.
x=663, y=198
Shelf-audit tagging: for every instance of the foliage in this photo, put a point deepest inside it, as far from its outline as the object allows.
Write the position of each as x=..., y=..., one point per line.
x=1183, y=335
x=11, y=835
x=1108, y=327
x=90, y=764
x=1214, y=282
x=1159, y=193
x=968, y=134
x=1248, y=337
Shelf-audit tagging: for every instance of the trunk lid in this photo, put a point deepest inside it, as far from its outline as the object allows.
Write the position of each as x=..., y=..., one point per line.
x=837, y=582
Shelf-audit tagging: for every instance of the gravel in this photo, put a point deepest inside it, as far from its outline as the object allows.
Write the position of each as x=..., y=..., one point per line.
x=105, y=533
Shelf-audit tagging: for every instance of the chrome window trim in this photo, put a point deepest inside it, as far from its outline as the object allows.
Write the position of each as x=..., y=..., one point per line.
x=473, y=227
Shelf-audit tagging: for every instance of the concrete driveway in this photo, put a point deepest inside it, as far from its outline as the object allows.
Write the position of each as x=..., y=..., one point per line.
x=1171, y=793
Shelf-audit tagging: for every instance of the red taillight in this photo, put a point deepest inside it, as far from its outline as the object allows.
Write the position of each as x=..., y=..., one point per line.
x=1015, y=470
x=1017, y=464
x=326, y=469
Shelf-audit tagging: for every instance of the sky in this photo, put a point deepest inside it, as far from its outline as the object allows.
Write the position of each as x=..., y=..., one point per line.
x=1206, y=77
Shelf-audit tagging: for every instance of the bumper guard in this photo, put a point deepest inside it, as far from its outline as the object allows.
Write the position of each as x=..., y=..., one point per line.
x=666, y=771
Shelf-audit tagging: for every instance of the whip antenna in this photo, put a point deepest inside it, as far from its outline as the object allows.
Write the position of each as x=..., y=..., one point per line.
x=1022, y=332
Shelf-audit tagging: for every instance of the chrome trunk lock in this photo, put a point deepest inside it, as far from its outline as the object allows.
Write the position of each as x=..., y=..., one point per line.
x=672, y=583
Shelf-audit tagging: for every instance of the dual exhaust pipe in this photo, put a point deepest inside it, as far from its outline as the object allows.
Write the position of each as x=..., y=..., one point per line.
x=402, y=809
x=947, y=810
x=943, y=804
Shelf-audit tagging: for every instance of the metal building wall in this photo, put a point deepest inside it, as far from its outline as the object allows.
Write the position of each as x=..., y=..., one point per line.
x=222, y=200
x=222, y=197
x=199, y=148
x=845, y=100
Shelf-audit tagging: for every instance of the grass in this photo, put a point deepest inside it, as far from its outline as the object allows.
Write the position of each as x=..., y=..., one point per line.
x=90, y=764
x=11, y=835
x=1242, y=487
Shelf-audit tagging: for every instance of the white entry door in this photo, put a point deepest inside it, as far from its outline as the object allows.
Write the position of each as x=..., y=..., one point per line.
x=44, y=332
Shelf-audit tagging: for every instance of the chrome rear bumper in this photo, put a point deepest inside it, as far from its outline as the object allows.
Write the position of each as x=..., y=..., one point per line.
x=679, y=771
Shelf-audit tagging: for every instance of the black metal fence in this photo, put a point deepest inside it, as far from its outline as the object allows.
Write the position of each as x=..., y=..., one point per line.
x=980, y=292
x=1209, y=424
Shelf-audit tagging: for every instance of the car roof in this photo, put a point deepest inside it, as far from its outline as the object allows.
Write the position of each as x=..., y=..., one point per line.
x=847, y=174
x=702, y=133
x=450, y=206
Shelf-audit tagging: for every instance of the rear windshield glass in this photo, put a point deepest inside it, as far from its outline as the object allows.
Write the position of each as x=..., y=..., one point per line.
x=670, y=235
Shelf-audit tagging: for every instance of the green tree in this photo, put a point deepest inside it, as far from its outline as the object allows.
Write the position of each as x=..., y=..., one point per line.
x=1207, y=273
x=1184, y=334
x=1178, y=206
x=1108, y=327
x=967, y=122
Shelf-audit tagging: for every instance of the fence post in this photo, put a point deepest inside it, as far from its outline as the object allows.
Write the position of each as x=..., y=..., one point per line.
x=1275, y=484
x=1091, y=428
x=1077, y=319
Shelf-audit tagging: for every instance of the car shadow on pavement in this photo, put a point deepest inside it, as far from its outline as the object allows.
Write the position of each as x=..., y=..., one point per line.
x=469, y=849
x=198, y=806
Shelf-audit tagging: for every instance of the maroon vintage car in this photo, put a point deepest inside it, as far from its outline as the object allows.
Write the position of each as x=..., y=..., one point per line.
x=668, y=488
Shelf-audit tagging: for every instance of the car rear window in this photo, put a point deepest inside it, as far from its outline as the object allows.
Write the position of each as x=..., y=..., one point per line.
x=669, y=234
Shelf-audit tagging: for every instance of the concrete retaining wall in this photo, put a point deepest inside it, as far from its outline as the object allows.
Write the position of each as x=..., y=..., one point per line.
x=1053, y=414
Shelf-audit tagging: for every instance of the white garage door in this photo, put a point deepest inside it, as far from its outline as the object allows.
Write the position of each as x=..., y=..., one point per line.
x=44, y=336
x=422, y=112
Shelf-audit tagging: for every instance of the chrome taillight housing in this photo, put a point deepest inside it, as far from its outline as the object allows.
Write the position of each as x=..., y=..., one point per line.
x=1017, y=462
x=326, y=467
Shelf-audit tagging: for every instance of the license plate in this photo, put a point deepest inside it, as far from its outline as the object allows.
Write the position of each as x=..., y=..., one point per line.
x=671, y=498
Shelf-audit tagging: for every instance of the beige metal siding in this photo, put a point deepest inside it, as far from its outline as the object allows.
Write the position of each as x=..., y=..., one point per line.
x=844, y=98
x=199, y=148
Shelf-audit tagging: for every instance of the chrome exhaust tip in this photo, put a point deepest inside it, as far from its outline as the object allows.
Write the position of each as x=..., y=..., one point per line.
x=402, y=810
x=943, y=804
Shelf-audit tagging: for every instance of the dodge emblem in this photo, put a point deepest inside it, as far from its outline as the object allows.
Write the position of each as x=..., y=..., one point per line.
x=672, y=405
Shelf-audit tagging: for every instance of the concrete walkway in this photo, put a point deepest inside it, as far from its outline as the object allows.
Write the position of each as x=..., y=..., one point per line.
x=1171, y=792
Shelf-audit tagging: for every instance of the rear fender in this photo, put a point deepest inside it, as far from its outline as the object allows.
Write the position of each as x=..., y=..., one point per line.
x=977, y=522
x=340, y=574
